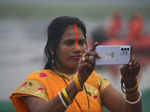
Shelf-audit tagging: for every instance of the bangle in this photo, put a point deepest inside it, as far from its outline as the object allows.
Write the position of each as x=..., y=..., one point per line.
x=65, y=94
x=128, y=90
x=132, y=89
x=77, y=83
x=131, y=85
x=62, y=100
x=132, y=94
x=136, y=101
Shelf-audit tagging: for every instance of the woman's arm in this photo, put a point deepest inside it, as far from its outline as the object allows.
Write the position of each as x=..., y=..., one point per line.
x=36, y=104
x=129, y=85
x=115, y=102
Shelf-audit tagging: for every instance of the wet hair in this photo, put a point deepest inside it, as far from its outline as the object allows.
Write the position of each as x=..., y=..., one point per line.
x=55, y=31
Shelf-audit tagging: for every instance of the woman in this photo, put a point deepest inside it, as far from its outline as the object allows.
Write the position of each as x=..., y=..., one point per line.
x=69, y=83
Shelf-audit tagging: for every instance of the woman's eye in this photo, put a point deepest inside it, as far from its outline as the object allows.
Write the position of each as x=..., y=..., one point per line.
x=69, y=42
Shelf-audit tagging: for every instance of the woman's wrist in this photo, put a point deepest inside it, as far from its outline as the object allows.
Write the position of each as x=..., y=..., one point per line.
x=132, y=94
x=81, y=80
x=133, y=98
x=130, y=84
x=72, y=90
x=129, y=87
x=78, y=83
x=65, y=98
x=68, y=94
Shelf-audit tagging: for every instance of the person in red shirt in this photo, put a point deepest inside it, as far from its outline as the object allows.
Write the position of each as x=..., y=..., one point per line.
x=135, y=27
x=115, y=25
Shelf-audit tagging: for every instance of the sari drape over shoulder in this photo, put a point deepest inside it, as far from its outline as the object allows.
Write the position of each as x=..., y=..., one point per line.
x=46, y=84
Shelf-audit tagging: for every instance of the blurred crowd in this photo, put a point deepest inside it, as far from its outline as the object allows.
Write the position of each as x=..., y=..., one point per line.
x=134, y=36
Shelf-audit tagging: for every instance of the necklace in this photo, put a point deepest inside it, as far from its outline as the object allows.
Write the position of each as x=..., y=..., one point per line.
x=68, y=77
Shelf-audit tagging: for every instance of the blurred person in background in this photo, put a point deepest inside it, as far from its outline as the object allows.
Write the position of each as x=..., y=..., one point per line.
x=98, y=34
x=69, y=83
x=135, y=28
x=114, y=27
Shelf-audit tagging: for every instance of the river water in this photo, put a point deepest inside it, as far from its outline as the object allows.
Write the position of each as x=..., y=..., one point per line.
x=21, y=52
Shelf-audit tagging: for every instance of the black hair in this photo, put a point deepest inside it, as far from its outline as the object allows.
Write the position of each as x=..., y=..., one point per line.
x=54, y=33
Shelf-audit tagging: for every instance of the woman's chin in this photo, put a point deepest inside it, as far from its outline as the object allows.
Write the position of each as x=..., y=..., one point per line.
x=73, y=66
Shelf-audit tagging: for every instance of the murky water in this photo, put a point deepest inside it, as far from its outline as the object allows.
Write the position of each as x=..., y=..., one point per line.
x=21, y=52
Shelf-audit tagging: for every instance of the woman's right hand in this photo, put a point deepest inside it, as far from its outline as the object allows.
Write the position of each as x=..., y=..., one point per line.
x=87, y=64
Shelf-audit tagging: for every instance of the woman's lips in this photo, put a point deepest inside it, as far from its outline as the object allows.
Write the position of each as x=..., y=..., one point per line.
x=77, y=57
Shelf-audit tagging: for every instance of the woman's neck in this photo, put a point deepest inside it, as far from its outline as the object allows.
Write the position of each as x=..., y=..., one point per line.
x=64, y=70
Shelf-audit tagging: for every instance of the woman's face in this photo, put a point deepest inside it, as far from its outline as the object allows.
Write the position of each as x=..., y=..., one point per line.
x=70, y=48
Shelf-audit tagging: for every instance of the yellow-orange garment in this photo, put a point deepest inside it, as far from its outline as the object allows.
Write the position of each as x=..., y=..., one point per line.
x=46, y=84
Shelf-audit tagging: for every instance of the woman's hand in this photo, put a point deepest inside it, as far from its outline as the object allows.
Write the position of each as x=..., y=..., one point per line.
x=87, y=64
x=130, y=71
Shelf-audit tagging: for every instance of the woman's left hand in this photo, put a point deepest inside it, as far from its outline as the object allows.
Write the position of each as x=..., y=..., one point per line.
x=130, y=71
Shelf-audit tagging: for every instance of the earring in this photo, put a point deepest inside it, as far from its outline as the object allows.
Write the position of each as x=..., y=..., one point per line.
x=53, y=61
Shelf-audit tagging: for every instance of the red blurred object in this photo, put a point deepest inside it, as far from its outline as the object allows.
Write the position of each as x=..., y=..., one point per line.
x=115, y=25
x=135, y=27
x=135, y=37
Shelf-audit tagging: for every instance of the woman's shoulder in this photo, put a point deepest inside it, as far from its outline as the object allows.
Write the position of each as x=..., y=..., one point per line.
x=41, y=74
x=33, y=85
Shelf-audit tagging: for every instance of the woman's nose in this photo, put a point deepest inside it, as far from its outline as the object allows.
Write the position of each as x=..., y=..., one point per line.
x=79, y=48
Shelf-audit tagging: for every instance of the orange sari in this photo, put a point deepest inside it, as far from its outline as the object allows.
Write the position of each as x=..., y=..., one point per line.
x=46, y=84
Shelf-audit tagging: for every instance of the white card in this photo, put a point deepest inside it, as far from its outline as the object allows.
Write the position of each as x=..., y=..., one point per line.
x=111, y=54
